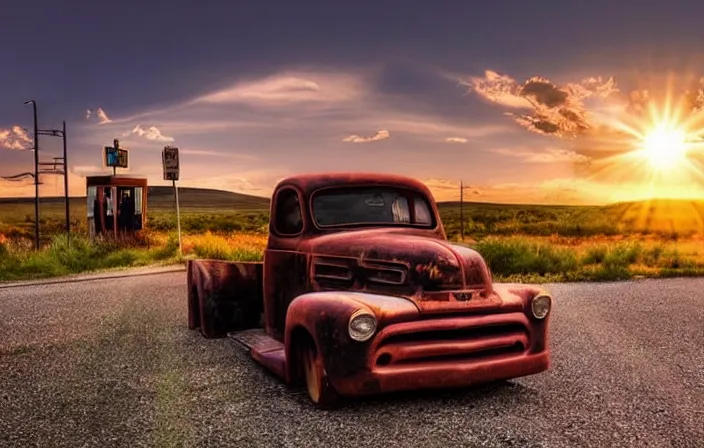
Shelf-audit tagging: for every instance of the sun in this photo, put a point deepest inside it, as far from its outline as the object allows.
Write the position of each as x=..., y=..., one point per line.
x=665, y=147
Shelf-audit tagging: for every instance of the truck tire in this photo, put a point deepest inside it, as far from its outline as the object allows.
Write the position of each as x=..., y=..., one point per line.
x=316, y=381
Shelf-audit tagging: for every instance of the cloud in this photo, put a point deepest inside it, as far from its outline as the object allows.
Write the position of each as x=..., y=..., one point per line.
x=253, y=182
x=51, y=186
x=549, y=155
x=151, y=133
x=100, y=114
x=379, y=135
x=456, y=140
x=15, y=138
x=553, y=110
x=289, y=87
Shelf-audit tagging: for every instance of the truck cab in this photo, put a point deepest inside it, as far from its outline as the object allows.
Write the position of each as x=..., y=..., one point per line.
x=360, y=292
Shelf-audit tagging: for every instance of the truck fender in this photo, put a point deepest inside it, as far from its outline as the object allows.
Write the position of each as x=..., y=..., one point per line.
x=523, y=295
x=323, y=317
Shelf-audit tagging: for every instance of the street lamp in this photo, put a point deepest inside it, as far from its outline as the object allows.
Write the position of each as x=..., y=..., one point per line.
x=36, y=174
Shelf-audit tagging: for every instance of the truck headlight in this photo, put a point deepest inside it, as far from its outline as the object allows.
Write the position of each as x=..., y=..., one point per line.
x=362, y=326
x=540, y=306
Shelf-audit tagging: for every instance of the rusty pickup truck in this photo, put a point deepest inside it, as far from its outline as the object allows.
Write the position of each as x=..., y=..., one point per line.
x=360, y=292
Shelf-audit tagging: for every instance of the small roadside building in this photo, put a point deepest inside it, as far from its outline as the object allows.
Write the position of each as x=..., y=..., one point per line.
x=117, y=204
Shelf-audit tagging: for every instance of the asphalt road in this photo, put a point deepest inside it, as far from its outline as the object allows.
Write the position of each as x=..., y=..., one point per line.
x=112, y=363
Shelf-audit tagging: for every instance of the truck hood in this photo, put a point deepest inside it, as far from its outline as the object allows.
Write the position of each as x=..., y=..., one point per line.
x=396, y=261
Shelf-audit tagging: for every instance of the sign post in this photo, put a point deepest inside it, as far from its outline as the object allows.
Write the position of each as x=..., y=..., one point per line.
x=169, y=158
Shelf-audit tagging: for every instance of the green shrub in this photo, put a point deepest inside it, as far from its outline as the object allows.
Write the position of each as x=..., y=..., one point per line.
x=509, y=256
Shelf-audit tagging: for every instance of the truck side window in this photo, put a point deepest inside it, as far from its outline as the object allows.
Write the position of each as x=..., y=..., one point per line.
x=288, y=213
x=422, y=212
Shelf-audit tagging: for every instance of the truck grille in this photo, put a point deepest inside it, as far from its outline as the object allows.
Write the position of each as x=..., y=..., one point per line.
x=344, y=273
x=453, y=339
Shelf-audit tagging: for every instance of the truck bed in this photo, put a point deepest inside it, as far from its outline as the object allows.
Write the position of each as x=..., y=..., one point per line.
x=224, y=296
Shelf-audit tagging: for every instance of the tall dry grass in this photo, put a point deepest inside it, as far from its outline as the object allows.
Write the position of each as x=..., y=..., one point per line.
x=519, y=243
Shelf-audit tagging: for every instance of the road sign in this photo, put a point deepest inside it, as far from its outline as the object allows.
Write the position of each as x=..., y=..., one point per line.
x=116, y=157
x=169, y=158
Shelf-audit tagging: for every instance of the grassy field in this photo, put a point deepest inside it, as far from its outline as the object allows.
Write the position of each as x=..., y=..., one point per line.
x=531, y=243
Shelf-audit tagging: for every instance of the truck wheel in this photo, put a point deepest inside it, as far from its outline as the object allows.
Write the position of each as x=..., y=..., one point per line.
x=319, y=388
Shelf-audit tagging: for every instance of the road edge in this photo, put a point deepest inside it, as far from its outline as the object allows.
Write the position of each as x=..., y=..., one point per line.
x=104, y=275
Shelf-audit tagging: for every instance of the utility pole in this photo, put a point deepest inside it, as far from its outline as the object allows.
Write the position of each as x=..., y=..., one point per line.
x=461, y=211
x=66, y=195
x=36, y=174
x=55, y=170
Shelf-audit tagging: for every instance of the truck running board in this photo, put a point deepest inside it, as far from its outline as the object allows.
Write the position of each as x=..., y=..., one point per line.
x=264, y=349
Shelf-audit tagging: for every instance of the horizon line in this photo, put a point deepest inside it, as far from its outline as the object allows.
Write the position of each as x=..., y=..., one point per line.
x=10, y=199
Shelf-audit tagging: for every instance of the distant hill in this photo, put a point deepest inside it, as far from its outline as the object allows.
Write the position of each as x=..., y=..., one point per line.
x=163, y=197
x=202, y=198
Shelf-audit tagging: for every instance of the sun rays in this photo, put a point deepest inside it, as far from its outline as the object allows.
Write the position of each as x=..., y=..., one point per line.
x=658, y=145
x=659, y=148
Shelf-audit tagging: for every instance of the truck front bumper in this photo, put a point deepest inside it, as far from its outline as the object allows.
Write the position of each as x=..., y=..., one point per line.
x=449, y=352
x=392, y=379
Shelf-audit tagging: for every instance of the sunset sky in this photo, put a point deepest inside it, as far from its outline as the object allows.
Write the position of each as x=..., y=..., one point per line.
x=526, y=102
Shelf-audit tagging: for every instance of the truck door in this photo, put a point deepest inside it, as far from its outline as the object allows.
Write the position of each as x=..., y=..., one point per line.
x=284, y=265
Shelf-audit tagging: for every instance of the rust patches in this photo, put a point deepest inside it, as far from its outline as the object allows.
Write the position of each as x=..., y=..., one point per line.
x=429, y=271
x=433, y=276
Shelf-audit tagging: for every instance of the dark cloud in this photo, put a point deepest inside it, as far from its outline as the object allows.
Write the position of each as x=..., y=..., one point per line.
x=544, y=92
x=553, y=110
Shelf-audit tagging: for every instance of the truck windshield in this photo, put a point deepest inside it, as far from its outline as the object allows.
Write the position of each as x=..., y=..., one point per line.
x=371, y=205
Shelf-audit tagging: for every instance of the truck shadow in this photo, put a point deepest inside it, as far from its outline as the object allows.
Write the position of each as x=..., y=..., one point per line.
x=470, y=395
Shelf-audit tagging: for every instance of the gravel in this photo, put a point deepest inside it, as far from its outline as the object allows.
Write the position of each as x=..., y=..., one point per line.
x=111, y=363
